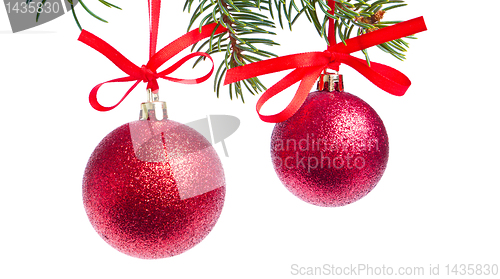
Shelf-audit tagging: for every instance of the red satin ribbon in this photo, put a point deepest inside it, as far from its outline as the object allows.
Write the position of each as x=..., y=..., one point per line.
x=308, y=66
x=147, y=73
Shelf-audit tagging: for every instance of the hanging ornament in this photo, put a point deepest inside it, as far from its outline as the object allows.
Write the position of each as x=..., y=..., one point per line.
x=333, y=150
x=153, y=188
x=329, y=147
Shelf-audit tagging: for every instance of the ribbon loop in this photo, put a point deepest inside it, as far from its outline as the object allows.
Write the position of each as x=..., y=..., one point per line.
x=308, y=66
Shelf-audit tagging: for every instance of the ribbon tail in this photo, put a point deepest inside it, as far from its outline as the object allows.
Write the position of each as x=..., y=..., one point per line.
x=383, y=35
x=307, y=78
x=384, y=77
x=93, y=94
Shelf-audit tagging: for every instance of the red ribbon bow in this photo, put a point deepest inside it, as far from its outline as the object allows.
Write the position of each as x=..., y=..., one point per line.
x=308, y=66
x=147, y=73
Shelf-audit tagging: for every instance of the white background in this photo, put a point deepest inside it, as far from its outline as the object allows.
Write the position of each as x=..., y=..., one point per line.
x=436, y=204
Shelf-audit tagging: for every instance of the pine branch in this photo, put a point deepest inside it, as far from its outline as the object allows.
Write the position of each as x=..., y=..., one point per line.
x=246, y=19
x=242, y=44
x=105, y=3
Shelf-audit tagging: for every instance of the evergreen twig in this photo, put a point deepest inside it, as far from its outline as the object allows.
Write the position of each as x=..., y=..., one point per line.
x=361, y=16
x=247, y=22
x=107, y=4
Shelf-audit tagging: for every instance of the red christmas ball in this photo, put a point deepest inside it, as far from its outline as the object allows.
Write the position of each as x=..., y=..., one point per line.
x=153, y=189
x=333, y=151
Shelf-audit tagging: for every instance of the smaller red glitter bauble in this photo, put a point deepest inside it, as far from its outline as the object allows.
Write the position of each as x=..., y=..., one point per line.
x=153, y=189
x=333, y=151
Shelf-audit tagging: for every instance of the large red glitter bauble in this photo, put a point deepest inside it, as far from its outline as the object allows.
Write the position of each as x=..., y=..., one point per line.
x=333, y=151
x=153, y=189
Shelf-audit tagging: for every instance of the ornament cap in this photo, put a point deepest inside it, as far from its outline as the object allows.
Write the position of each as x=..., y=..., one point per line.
x=153, y=109
x=331, y=82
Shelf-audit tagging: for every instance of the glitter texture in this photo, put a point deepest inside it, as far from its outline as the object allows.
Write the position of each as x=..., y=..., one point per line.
x=333, y=151
x=153, y=189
